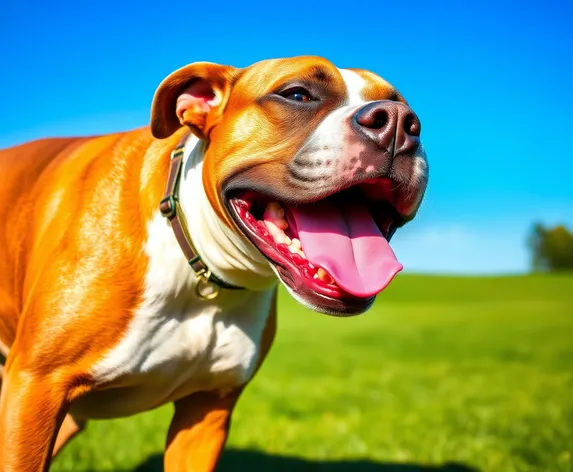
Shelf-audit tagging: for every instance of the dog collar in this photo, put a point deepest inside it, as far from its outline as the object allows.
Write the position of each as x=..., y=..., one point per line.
x=171, y=209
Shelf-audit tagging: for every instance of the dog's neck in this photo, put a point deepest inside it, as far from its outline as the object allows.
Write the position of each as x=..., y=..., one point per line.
x=230, y=256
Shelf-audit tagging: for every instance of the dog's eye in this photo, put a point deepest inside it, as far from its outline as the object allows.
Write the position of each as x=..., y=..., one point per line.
x=297, y=95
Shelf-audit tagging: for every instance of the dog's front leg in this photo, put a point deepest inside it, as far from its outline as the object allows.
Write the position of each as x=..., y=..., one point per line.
x=201, y=421
x=199, y=431
x=70, y=427
x=32, y=408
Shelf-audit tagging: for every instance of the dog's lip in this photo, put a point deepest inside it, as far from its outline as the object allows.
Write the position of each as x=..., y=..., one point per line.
x=279, y=262
x=330, y=299
x=340, y=307
x=397, y=190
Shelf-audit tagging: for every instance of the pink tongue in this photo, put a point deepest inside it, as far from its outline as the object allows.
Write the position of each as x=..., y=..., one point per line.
x=344, y=240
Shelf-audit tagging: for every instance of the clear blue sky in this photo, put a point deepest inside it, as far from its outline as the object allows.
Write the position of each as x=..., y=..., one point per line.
x=491, y=81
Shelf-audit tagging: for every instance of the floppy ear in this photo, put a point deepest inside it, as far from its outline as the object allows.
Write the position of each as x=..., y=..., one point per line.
x=195, y=96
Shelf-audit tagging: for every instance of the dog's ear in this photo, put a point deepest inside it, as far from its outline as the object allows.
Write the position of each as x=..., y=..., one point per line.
x=194, y=96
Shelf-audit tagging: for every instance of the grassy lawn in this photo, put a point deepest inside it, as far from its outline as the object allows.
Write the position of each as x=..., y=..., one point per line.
x=443, y=374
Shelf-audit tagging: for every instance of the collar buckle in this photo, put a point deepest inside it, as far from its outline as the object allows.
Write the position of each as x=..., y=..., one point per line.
x=204, y=283
x=167, y=207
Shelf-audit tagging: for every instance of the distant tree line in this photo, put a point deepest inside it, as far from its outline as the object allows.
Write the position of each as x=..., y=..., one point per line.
x=552, y=249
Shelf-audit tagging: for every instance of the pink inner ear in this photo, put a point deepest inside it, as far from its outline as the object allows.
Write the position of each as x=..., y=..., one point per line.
x=199, y=97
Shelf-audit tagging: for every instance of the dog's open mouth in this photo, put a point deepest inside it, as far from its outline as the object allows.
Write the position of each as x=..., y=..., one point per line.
x=333, y=253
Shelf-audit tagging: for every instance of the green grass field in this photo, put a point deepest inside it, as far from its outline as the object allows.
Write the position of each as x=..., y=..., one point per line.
x=443, y=374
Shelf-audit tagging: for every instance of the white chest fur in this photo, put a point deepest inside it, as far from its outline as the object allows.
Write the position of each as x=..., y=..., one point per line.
x=177, y=344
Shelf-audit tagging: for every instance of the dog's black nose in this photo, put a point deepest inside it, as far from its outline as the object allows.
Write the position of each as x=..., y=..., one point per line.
x=392, y=126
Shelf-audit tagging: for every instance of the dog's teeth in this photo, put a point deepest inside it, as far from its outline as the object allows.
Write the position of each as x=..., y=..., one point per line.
x=278, y=234
x=315, y=276
x=273, y=218
x=311, y=265
x=296, y=250
x=274, y=206
x=275, y=213
x=324, y=276
x=276, y=209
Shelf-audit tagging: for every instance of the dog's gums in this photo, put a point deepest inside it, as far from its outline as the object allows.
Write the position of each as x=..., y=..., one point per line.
x=273, y=228
x=293, y=237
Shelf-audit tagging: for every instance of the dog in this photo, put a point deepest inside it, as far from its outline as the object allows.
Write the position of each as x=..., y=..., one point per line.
x=141, y=268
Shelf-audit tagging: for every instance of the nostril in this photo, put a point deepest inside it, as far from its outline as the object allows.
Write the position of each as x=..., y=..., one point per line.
x=379, y=120
x=374, y=116
x=412, y=125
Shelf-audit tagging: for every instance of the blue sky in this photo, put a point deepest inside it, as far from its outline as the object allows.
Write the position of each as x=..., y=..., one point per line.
x=491, y=83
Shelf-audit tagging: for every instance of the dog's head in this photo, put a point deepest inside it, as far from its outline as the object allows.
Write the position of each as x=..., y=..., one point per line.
x=316, y=166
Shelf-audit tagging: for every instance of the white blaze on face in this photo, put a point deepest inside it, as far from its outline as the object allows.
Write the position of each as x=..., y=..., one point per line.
x=354, y=87
x=333, y=152
x=332, y=141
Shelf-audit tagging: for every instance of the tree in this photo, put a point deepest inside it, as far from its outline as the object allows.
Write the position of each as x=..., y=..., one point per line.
x=552, y=248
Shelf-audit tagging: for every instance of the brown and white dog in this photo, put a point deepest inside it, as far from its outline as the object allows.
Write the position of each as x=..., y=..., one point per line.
x=295, y=170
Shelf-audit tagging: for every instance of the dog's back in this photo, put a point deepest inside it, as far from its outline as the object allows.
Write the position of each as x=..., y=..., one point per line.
x=43, y=190
x=21, y=168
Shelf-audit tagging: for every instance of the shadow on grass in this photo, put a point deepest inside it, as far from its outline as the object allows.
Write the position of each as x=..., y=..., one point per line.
x=241, y=460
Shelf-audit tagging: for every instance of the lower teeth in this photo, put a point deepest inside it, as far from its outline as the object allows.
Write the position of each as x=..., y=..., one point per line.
x=324, y=276
x=274, y=222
